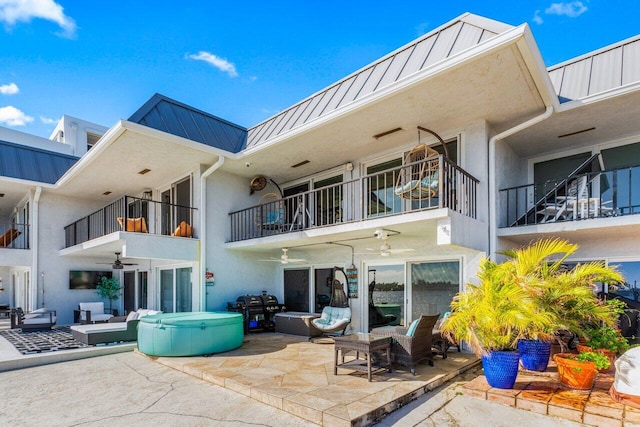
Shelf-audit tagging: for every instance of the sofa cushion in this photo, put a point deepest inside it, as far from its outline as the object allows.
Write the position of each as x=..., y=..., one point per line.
x=134, y=224
x=183, y=230
x=132, y=316
x=412, y=328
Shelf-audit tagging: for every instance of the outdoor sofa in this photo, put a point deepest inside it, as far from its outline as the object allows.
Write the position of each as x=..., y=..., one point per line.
x=111, y=332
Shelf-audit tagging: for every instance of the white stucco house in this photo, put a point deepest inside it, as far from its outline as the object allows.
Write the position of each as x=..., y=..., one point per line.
x=526, y=152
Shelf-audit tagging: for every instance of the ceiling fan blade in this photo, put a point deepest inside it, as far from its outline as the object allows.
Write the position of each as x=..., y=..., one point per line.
x=397, y=251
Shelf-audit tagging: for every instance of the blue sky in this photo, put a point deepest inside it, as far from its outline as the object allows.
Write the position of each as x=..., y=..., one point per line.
x=243, y=60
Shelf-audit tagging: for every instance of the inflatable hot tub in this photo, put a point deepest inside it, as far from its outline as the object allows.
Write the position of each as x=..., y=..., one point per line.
x=189, y=334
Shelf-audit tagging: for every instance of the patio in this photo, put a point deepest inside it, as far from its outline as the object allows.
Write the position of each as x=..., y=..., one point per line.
x=296, y=376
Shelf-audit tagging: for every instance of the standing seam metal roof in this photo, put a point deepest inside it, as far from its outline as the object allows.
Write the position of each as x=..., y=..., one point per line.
x=171, y=116
x=438, y=45
x=33, y=164
x=605, y=69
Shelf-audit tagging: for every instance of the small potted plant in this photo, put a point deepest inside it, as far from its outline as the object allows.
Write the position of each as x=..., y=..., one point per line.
x=606, y=340
x=109, y=288
x=579, y=370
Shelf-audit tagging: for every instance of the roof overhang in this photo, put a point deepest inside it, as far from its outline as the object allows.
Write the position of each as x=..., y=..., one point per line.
x=114, y=163
x=600, y=118
x=502, y=81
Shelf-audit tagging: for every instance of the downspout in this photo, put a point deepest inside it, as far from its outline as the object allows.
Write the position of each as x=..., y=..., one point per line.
x=493, y=228
x=34, y=244
x=203, y=228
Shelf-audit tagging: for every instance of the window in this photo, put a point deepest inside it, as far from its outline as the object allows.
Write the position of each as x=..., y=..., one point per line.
x=630, y=290
x=386, y=295
x=92, y=138
x=382, y=199
x=433, y=286
x=555, y=170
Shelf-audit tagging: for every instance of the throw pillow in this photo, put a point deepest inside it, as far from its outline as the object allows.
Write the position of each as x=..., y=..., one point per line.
x=412, y=328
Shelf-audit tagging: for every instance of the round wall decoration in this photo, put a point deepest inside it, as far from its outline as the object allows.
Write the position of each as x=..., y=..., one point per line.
x=258, y=183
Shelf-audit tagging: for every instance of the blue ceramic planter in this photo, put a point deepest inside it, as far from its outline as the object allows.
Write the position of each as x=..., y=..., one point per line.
x=501, y=368
x=534, y=354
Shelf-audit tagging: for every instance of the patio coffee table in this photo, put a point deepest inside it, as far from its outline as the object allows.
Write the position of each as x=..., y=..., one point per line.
x=366, y=344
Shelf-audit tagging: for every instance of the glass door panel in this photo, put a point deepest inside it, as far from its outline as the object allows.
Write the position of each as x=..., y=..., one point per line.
x=296, y=290
x=142, y=289
x=323, y=279
x=183, y=289
x=386, y=295
x=433, y=286
x=328, y=200
x=129, y=291
x=166, y=291
x=381, y=197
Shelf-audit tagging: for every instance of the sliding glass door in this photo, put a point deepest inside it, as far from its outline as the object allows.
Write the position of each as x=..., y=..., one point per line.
x=175, y=290
x=433, y=286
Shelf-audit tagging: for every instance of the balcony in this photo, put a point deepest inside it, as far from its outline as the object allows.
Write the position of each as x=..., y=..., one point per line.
x=370, y=197
x=605, y=194
x=14, y=236
x=132, y=214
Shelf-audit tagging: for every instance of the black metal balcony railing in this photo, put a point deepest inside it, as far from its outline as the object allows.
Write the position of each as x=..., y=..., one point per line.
x=14, y=236
x=131, y=214
x=371, y=196
x=604, y=194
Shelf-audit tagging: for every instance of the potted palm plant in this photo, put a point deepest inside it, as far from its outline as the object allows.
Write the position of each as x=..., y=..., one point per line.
x=491, y=317
x=109, y=288
x=567, y=295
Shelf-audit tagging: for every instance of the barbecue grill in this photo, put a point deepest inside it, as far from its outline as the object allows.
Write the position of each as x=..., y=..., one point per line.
x=257, y=311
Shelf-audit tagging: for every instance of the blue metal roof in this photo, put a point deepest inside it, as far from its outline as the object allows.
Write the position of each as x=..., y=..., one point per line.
x=33, y=164
x=179, y=119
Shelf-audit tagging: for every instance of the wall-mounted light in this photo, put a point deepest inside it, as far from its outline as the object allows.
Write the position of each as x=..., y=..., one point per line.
x=1, y=286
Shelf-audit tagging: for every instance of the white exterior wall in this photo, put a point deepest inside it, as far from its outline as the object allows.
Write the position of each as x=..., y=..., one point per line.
x=75, y=133
x=29, y=140
x=236, y=272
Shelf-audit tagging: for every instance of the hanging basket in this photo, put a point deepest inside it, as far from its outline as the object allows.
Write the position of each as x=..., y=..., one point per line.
x=534, y=354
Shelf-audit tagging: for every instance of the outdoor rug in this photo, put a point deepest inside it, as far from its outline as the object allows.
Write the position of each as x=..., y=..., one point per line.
x=58, y=338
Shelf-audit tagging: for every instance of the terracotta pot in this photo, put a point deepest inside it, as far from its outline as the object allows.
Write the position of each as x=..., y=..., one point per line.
x=574, y=374
x=611, y=355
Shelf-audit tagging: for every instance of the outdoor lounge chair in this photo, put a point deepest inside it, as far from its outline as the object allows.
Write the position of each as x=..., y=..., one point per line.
x=36, y=320
x=337, y=315
x=419, y=178
x=102, y=333
x=270, y=215
x=91, y=312
x=413, y=344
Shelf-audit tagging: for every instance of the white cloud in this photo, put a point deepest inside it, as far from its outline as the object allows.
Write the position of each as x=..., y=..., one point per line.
x=11, y=116
x=10, y=89
x=48, y=121
x=572, y=9
x=537, y=18
x=220, y=63
x=14, y=11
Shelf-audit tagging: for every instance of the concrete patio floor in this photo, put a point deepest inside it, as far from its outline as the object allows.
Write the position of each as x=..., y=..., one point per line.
x=296, y=376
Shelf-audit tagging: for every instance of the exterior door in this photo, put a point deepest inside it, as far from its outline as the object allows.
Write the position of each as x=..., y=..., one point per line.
x=296, y=289
x=175, y=290
x=386, y=297
x=143, y=295
x=129, y=291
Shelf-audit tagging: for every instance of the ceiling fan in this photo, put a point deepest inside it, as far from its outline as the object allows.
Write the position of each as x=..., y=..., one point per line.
x=385, y=248
x=284, y=258
x=117, y=264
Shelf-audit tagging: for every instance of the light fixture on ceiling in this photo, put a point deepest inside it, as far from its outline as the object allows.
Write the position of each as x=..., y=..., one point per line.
x=302, y=163
x=380, y=135
x=576, y=132
x=144, y=171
